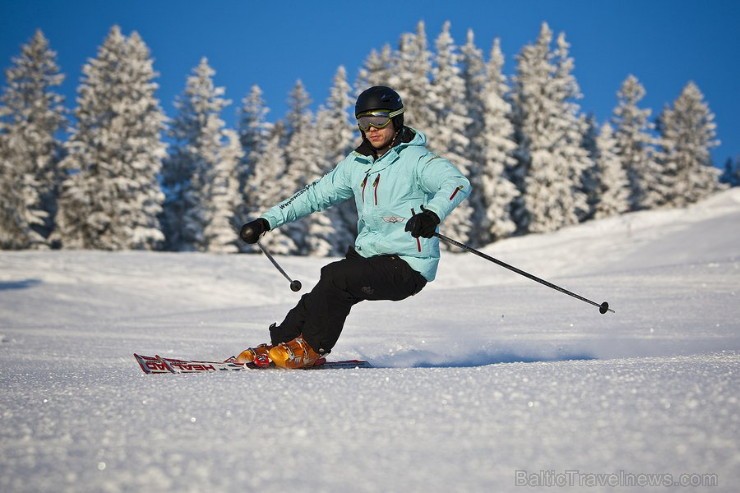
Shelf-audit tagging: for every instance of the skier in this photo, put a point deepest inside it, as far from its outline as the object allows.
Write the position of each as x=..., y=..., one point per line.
x=402, y=192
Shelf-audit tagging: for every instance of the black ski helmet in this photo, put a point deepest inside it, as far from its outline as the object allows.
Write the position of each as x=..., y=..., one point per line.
x=380, y=98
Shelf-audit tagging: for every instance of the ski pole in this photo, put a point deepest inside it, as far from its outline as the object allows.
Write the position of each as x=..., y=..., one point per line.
x=603, y=307
x=295, y=285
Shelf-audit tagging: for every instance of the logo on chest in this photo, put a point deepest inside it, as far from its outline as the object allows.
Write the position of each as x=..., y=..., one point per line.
x=394, y=219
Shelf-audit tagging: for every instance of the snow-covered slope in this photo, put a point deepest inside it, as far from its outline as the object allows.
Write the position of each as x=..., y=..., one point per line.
x=487, y=380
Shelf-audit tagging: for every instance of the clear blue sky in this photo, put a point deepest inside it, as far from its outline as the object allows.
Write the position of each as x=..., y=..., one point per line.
x=665, y=43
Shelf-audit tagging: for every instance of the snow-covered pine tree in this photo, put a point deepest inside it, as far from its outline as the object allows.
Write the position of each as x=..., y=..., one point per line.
x=635, y=143
x=530, y=110
x=549, y=132
x=451, y=121
x=336, y=134
x=223, y=197
x=303, y=154
x=473, y=72
x=111, y=198
x=299, y=112
x=591, y=178
x=590, y=135
x=611, y=190
x=254, y=130
x=497, y=139
x=323, y=229
x=377, y=69
x=411, y=79
x=31, y=113
x=200, y=171
x=266, y=188
x=573, y=126
x=340, y=131
x=688, y=133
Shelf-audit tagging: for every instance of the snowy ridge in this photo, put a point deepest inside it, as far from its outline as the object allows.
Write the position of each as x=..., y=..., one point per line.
x=481, y=375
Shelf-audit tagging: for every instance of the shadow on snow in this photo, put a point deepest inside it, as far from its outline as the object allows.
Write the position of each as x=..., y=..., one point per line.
x=22, y=284
x=428, y=359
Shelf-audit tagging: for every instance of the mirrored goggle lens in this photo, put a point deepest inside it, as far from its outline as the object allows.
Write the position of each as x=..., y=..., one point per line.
x=378, y=120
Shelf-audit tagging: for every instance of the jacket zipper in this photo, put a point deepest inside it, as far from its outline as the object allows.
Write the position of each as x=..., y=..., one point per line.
x=375, y=186
x=364, y=182
x=455, y=192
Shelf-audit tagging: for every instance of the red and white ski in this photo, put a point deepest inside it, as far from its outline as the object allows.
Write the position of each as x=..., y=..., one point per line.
x=158, y=364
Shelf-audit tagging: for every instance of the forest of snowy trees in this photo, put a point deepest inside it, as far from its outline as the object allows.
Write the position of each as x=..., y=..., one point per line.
x=115, y=173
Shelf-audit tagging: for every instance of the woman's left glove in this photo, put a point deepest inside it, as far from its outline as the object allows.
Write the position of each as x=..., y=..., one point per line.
x=252, y=231
x=423, y=224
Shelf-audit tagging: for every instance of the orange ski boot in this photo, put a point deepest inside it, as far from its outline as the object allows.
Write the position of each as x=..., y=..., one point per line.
x=258, y=355
x=294, y=354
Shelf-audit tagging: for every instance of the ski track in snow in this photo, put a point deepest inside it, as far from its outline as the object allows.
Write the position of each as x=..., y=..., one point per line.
x=481, y=375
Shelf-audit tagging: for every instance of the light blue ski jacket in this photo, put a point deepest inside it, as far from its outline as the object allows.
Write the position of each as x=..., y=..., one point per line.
x=407, y=177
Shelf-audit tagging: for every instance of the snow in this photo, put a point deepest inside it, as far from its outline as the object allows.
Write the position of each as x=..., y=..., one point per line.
x=485, y=377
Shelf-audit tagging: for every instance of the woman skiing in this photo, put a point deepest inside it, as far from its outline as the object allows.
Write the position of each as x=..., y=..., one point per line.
x=402, y=192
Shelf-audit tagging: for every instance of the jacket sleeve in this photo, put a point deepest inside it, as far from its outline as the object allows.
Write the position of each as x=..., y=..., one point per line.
x=444, y=182
x=332, y=188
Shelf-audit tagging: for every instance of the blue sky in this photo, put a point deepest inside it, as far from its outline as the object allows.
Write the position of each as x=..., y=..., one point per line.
x=665, y=43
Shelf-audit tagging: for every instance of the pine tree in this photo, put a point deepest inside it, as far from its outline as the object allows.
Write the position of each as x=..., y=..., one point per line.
x=31, y=113
x=590, y=136
x=549, y=132
x=299, y=111
x=688, y=133
x=223, y=197
x=497, y=139
x=451, y=121
x=611, y=187
x=635, y=144
x=254, y=130
x=411, y=79
x=377, y=69
x=473, y=72
x=573, y=126
x=111, y=198
x=304, y=165
x=337, y=134
x=592, y=178
x=200, y=173
x=531, y=123
x=267, y=189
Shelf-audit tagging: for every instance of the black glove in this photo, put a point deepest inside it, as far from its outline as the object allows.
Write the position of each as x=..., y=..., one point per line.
x=252, y=231
x=424, y=224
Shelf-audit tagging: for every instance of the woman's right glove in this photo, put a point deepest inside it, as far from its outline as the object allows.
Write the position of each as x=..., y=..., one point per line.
x=253, y=230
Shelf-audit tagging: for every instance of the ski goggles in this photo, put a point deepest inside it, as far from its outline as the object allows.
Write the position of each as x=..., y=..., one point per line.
x=376, y=119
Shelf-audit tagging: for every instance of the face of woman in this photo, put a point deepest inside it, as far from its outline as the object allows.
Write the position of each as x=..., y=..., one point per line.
x=381, y=138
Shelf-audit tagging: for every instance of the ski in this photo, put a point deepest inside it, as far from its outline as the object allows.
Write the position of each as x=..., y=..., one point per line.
x=157, y=365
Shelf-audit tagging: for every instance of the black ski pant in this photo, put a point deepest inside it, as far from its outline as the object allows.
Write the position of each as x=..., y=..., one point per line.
x=320, y=314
